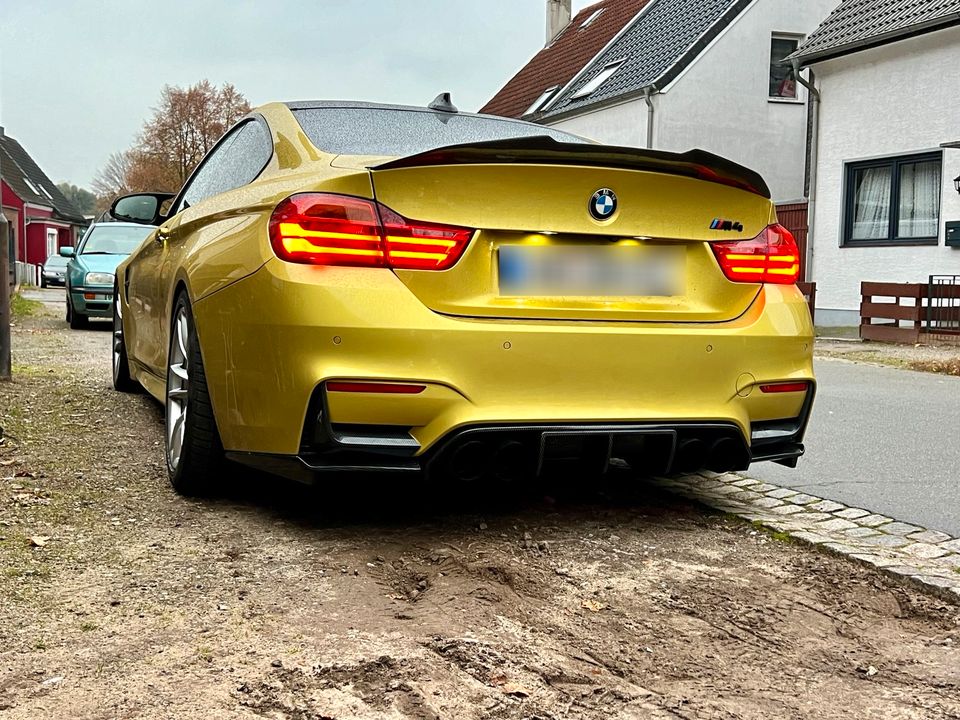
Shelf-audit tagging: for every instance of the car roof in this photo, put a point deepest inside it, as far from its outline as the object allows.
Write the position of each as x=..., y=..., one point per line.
x=357, y=104
x=120, y=224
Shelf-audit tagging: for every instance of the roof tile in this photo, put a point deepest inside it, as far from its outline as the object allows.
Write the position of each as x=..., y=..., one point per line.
x=20, y=172
x=859, y=23
x=560, y=61
x=658, y=45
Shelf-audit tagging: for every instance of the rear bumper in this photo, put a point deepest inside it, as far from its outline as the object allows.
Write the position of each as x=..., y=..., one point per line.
x=272, y=340
x=509, y=452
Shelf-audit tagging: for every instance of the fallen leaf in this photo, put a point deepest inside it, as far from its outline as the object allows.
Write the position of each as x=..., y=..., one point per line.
x=39, y=540
x=515, y=689
x=592, y=605
x=6, y=463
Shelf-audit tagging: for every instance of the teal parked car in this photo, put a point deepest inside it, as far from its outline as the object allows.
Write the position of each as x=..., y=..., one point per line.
x=92, y=266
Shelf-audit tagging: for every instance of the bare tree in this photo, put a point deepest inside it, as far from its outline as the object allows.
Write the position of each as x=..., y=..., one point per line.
x=112, y=179
x=183, y=128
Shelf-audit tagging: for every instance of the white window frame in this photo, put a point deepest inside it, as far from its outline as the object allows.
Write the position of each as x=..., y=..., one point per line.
x=53, y=239
x=608, y=71
x=799, y=99
x=541, y=102
x=592, y=19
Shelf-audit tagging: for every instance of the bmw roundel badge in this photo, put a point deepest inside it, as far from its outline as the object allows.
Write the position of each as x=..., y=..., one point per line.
x=603, y=204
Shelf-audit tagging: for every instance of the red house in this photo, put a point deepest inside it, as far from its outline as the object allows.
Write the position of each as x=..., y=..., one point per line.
x=41, y=219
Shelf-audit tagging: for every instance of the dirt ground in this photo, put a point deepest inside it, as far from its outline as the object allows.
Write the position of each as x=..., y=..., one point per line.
x=941, y=358
x=388, y=599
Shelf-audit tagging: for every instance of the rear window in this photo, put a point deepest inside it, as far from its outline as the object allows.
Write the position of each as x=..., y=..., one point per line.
x=379, y=131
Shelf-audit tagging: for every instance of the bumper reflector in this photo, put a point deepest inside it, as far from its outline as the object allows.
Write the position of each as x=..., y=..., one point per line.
x=784, y=387
x=370, y=387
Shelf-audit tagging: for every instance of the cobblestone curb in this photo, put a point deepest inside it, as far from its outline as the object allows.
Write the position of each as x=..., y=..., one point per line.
x=927, y=559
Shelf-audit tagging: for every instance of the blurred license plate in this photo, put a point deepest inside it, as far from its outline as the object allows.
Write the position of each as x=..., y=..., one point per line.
x=604, y=271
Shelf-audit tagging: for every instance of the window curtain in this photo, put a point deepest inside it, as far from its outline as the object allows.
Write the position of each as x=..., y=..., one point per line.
x=919, y=200
x=871, y=216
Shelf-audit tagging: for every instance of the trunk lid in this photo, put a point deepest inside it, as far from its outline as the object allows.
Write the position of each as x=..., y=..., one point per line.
x=539, y=253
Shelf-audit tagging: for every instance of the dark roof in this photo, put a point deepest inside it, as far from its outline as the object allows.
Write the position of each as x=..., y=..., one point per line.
x=860, y=24
x=20, y=172
x=656, y=48
x=560, y=61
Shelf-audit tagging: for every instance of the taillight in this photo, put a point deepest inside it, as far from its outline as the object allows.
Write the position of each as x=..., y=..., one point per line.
x=784, y=387
x=328, y=229
x=771, y=257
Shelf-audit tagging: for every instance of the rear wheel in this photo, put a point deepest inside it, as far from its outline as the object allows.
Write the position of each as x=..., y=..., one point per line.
x=193, y=448
x=121, y=367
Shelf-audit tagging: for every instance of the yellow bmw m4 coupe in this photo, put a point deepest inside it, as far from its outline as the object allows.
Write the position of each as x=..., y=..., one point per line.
x=345, y=286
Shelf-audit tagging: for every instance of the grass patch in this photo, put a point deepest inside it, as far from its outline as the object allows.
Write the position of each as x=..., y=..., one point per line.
x=771, y=533
x=20, y=307
x=847, y=333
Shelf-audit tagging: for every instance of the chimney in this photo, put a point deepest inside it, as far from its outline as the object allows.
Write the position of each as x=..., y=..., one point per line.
x=558, y=17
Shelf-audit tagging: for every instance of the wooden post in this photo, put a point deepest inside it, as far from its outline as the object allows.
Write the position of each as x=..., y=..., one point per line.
x=5, y=287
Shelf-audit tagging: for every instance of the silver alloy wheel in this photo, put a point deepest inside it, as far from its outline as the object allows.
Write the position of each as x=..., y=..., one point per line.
x=178, y=381
x=117, y=337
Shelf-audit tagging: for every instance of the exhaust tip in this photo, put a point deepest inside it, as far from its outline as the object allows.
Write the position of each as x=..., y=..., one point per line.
x=471, y=461
x=510, y=460
x=725, y=455
x=691, y=456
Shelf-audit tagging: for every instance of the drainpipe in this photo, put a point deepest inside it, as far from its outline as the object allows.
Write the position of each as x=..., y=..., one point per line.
x=647, y=96
x=813, y=157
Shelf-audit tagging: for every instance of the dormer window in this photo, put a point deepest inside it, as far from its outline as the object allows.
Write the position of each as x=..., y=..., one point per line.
x=541, y=102
x=598, y=80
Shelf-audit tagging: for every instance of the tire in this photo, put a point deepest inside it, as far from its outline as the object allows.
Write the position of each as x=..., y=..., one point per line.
x=122, y=382
x=192, y=444
x=43, y=282
x=77, y=320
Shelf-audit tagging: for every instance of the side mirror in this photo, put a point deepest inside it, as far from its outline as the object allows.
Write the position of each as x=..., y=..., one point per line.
x=142, y=208
x=67, y=251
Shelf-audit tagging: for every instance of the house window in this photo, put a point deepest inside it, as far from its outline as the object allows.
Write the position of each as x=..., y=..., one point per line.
x=541, y=102
x=893, y=201
x=51, y=242
x=783, y=83
x=598, y=80
x=590, y=20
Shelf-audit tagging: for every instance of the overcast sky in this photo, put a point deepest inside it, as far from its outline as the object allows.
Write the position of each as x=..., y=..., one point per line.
x=77, y=79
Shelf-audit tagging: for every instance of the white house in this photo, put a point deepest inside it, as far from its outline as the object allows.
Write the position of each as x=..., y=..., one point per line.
x=888, y=75
x=683, y=74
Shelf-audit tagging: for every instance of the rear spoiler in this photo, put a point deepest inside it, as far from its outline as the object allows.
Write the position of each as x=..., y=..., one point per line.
x=544, y=150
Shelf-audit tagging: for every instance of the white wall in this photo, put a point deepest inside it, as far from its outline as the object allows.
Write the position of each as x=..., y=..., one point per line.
x=624, y=124
x=893, y=100
x=721, y=103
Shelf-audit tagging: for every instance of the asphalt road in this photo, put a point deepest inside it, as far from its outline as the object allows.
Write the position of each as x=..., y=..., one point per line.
x=885, y=440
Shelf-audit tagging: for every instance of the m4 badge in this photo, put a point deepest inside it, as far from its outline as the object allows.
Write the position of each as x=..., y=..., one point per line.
x=728, y=225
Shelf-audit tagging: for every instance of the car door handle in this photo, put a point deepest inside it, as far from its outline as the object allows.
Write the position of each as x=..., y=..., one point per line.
x=163, y=234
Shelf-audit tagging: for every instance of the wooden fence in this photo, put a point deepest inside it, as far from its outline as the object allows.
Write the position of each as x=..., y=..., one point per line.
x=809, y=291
x=906, y=312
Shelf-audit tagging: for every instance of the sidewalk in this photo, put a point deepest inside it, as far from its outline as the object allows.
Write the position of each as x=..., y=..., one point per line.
x=941, y=358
